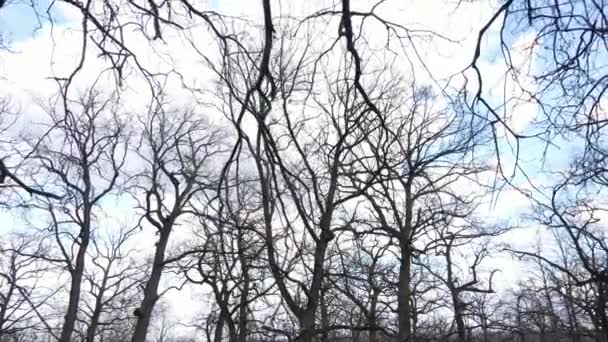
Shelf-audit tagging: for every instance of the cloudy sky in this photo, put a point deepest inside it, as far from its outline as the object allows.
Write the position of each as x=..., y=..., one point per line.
x=37, y=50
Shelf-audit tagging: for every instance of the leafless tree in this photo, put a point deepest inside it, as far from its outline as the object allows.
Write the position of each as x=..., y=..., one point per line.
x=363, y=276
x=23, y=298
x=340, y=204
x=228, y=258
x=111, y=283
x=178, y=150
x=427, y=152
x=577, y=272
x=457, y=281
x=82, y=154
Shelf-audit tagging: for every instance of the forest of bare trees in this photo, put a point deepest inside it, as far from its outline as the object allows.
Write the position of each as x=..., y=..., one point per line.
x=283, y=170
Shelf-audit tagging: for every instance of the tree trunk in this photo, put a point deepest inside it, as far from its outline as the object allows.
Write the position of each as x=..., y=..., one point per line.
x=242, y=324
x=76, y=281
x=308, y=316
x=354, y=335
x=403, y=295
x=373, y=333
x=219, y=330
x=243, y=332
x=486, y=333
x=324, y=319
x=371, y=320
x=224, y=304
x=520, y=327
x=307, y=326
x=144, y=312
x=92, y=329
x=458, y=316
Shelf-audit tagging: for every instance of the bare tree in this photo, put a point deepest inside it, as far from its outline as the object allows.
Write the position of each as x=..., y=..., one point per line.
x=578, y=272
x=345, y=205
x=363, y=276
x=427, y=152
x=23, y=297
x=457, y=281
x=228, y=258
x=111, y=283
x=82, y=154
x=178, y=151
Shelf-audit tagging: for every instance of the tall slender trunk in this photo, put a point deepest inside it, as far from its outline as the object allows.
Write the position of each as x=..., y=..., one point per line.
x=94, y=323
x=308, y=315
x=373, y=333
x=572, y=320
x=242, y=324
x=219, y=330
x=403, y=295
x=355, y=335
x=92, y=329
x=144, y=312
x=458, y=316
x=372, y=319
x=76, y=274
x=324, y=319
x=542, y=333
x=520, y=327
x=224, y=303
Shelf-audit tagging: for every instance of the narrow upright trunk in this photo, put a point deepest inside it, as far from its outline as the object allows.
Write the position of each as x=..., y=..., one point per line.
x=405, y=269
x=76, y=275
x=324, y=319
x=219, y=330
x=94, y=323
x=308, y=315
x=541, y=333
x=403, y=295
x=224, y=303
x=74, y=297
x=144, y=312
x=458, y=316
x=572, y=320
x=372, y=319
x=242, y=324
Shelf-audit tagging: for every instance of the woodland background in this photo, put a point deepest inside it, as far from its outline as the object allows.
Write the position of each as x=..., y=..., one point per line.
x=274, y=170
